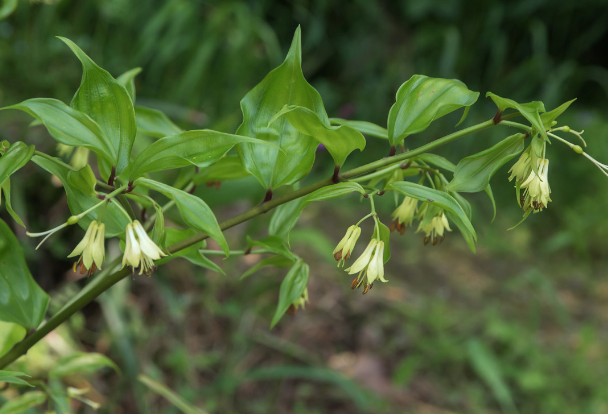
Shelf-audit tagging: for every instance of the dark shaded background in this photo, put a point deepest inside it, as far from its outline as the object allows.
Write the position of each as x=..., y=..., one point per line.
x=519, y=327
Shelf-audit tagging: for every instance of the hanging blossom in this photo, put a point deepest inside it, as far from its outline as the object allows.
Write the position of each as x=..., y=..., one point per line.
x=140, y=250
x=298, y=303
x=91, y=249
x=369, y=266
x=345, y=247
x=404, y=214
x=435, y=229
x=521, y=169
x=537, y=192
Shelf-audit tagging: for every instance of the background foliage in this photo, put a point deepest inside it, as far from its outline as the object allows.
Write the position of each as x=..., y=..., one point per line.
x=519, y=327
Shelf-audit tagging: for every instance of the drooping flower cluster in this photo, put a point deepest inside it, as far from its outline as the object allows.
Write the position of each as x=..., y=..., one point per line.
x=345, y=247
x=369, y=266
x=537, y=188
x=404, y=215
x=91, y=249
x=435, y=229
x=140, y=250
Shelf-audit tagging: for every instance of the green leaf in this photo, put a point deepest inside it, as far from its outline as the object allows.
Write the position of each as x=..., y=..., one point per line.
x=421, y=100
x=199, y=148
x=364, y=127
x=283, y=226
x=229, y=167
x=490, y=194
x=69, y=126
x=295, y=155
x=284, y=218
x=6, y=190
x=276, y=261
x=192, y=253
x=548, y=117
x=14, y=158
x=114, y=219
x=340, y=141
x=83, y=180
x=23, y=403
x=81, y=363
x=474, y=172
x=22, y=301
x=292, y=288
x=161, y=389
x=470, y=238
x=106, y=101
x=195, y=212
x=127, y=80
x=437, y=161
x=12, y=377
x=7, y=8
x=154, y=123
x=466, y=206
x=443, y=200
x=275, y=244
x=530, y=111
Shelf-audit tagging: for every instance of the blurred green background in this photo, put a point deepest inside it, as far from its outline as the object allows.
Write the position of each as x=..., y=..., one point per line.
x=520, y=327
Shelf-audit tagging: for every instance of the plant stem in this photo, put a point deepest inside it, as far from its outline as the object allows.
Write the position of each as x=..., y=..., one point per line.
x=104, y=280
x=234, y=252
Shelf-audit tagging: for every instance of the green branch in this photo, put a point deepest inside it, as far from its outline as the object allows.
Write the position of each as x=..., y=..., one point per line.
x=104, y=280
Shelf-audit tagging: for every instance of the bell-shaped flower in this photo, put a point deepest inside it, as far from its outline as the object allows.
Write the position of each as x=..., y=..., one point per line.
x=298, y=303
x=435, y=229
x=140, y=250
x=404, y=214
x=91, y=249
x=369, y=266
x=537, y=188
x=345, y=247
x=521, y=169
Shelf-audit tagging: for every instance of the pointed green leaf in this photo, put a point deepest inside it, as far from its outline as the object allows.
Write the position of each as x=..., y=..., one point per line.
x=437, y=161
x=548, y=117
x=490, y=194
x=6, y=190
x=22, y=301
x=23, y=403
x=12, y=377
x=200, y=148
x=68, y=126
x=443, y=200
x=195, y=212
x=385, y=236
x=127, y=80
x=421, y=100
x=294, y=157
x=229, y=167
x=531, y=111
x=114, y=219
x=83, y=180
x=81, y=363
x=14, y=158
x=292, y=288
x=364, y=127
x=106, y=101
x=284, y=218
x=474, y=172
x=154, y=123
x=340, y=141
